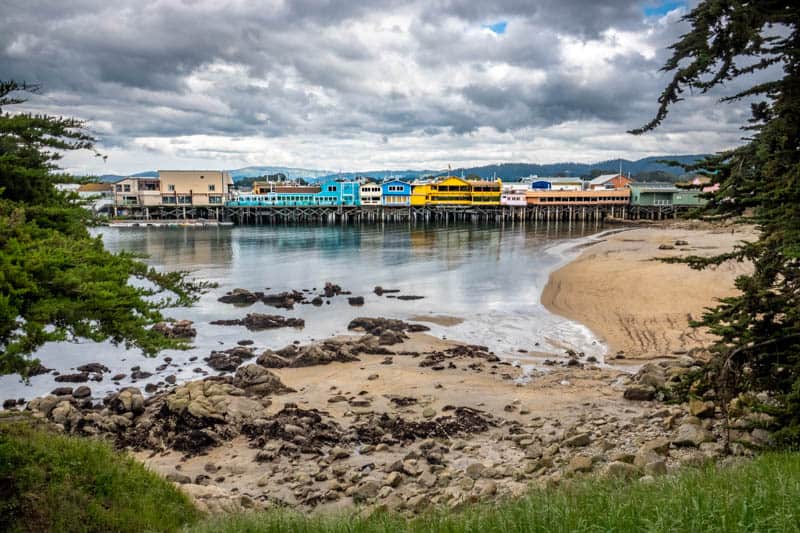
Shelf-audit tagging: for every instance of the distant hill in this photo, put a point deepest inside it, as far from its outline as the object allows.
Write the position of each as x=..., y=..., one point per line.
x=383, y=174
x=289, y=172
x=648, y=168
x=641, y=167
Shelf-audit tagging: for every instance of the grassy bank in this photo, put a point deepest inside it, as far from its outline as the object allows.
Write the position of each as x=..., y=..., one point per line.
x=51, y=482
x=763, y=495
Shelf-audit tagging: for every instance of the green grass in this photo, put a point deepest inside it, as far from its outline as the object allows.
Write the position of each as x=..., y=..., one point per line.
x=763, y=495
x=51, y=482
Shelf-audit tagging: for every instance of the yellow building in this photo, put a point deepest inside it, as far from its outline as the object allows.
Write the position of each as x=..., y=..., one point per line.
x=456, y=191
x=450, y=191
x=485, y=192
x=419, y=194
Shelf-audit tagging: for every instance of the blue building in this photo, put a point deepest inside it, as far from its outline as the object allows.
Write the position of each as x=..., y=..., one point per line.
x=339, y=193
x=395, y=193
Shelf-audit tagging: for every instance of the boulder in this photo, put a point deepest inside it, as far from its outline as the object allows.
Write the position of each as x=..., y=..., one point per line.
x=239, y=296
x=45, y=404
x=620, y=470
x=180, y=329
x=356, y=300
x=94, y=368
x=658, y=445
x=366, y=490
x=65, y=414
x=475, y=470
x=638, y=392
x=128, y=400
x=228, y=360
x=177, y=477
x=256, y=379
x=270, y=359
x=258, y=322
x=701, y=409
x=577, y=441
x=82, y=392
x=579, y=463
x=81, y=377
x=691, y=435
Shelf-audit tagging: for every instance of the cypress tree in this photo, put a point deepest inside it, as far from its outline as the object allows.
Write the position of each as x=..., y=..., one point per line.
x=758, y=332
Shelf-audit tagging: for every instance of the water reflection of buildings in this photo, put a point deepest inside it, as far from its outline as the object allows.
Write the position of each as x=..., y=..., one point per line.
x=175, y=248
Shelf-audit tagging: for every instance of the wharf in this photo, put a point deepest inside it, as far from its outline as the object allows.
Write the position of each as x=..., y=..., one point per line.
x=244, y=215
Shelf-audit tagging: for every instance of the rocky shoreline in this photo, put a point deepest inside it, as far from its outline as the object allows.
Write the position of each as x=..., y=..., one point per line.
x=396, y=419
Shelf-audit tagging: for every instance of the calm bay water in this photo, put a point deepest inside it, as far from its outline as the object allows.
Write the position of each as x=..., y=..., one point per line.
x=490, y=276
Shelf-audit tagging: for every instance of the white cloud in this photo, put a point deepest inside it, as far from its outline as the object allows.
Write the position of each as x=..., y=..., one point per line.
x=354, y=85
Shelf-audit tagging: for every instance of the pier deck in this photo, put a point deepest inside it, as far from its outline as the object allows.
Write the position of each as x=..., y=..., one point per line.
x=226, y=215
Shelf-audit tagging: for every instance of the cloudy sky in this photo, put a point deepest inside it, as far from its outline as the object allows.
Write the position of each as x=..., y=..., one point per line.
x=356, y=84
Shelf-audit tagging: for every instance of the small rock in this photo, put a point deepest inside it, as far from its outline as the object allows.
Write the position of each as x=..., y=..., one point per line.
x=82, y=392
x=475, y=470
x=578, y=441
x=639, y=393
x=618, y=469
x=579, y=463
x=177, y=477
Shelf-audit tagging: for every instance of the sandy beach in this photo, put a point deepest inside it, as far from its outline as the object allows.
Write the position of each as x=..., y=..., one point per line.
x=643, y=307
x=392, y=417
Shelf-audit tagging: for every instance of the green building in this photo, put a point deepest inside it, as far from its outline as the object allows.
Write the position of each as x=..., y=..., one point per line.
x=665, y=194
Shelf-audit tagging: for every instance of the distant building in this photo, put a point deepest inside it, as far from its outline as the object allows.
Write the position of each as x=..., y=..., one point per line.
x=514, y=194
x=137, y=191
x=558, y=184
x=194, y=187
x=666, y=194
x=598, y=197
x=609, y=181
x=396, y=193
x=99, y=196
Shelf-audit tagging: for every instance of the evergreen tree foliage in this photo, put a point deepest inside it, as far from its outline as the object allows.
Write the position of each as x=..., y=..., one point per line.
x=57, y=282
x=758, y=332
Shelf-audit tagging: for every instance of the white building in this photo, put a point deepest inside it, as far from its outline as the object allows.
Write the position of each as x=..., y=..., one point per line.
x=370, y=193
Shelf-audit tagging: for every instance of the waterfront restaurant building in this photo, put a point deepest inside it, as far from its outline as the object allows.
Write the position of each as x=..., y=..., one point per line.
x=195, y=187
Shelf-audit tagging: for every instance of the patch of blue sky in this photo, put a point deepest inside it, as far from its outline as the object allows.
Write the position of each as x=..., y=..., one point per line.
x=498, y=27
x=662, y=9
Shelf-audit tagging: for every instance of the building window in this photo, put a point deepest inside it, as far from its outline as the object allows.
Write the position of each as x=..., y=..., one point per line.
x=127, y=188
x=119, y=188
x=167, y=199
x=212, y=188
x=332, y=188
x=184, y=199
x=215, y=199
x=171, y=187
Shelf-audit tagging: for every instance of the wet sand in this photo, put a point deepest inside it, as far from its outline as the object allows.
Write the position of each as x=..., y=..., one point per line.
x=640, y=306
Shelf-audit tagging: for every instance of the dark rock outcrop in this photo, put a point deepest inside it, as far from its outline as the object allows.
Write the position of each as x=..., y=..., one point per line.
x=228, y=360
x=258, y=321
x=180, y=329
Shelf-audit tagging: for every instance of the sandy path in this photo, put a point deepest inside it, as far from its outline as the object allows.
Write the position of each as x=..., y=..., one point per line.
x=640, y=306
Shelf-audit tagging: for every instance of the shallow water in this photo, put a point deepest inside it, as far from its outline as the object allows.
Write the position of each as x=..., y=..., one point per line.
x=492, y=276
